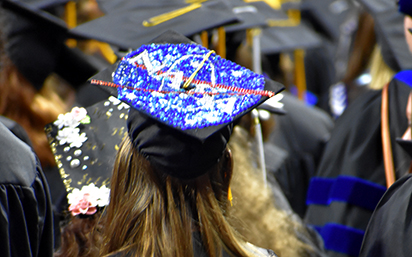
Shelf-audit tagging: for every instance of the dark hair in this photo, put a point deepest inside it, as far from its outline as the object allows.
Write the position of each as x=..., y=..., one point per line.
x=81, y=237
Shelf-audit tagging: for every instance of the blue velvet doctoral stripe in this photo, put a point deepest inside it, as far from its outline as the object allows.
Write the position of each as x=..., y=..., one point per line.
x=405, y=76
x=342, y=239
x=351, y=190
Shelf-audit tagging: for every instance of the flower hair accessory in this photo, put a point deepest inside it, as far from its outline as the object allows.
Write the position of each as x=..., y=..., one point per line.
x=86, y=200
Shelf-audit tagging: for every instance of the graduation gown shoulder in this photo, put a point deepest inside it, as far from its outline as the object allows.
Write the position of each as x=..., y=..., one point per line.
x=26, y=221
x=350, y=179
x=389, y=231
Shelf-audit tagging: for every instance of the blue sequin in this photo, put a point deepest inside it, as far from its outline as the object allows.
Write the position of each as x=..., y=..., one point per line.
x=153, y=74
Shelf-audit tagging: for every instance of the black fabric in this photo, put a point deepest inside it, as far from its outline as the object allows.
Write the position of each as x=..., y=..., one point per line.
x=126, y=30
x=35, y=43
x=26, y=219
x=390, y=33
x=406, y=145
x=389, y=231
x=175, y=153
x=302, y=133
x=355, y=149
x=32, y=48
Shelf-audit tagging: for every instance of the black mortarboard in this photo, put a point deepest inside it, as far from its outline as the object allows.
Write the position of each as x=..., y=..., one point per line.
x=185, y=100
x=405, y=7
x=390, y=33
x=250, y=15
x=327, y=17
x=85, y=142
x=283, y=39
x=35, y=43
x=130, y=28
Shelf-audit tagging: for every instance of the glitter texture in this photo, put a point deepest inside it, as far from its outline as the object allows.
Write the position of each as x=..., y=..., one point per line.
x=151, y=80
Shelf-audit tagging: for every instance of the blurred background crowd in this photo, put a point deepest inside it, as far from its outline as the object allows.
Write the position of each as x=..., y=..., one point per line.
x=329, y=146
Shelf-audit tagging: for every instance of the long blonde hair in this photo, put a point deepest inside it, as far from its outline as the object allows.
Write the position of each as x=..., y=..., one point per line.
x=256, y=213
x=153, y=214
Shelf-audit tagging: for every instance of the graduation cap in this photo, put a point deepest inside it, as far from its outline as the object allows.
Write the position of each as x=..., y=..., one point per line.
x=35, y=44
x=136, y=25
x=390, y=33
x=250, y=15
x=327, y=17
x=185, y=99
x=288, y=38
x=405, y=7
x=85, y=142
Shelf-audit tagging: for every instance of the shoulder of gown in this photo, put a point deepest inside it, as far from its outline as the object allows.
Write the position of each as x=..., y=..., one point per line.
x=390, y=227
x=26, y=222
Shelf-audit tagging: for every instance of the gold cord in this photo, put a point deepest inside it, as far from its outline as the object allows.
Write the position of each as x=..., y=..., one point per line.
x=156, y=20
x=190, y=79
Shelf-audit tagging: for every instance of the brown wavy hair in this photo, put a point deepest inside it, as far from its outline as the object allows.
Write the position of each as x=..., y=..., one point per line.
x=153, y=214
x=81, y=237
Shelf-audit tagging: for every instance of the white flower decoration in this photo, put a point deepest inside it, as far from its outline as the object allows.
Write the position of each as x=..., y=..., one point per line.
x=86, y=200
x=67, y=135
x=78, y=140
x=120, y=104
x=67, y=123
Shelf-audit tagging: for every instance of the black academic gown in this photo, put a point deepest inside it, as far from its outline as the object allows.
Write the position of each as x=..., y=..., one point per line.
x=302, y=135
x=26, y=218
x=389, y=232
x=350, y=179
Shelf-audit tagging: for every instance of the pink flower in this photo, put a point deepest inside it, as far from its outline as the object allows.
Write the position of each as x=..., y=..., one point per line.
x=79, y=113
x=83, y=206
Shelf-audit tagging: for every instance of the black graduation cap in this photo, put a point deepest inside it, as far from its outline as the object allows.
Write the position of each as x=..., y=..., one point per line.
x=390, y=33
x=327, y=17
x=85, y=142
x=130, y=28
x=35, y=43
x=283, y=39
x=250, y=14
x=185, y=99
x=405, y=7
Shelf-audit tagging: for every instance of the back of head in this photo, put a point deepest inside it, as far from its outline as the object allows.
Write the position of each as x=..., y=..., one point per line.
x=171, y=176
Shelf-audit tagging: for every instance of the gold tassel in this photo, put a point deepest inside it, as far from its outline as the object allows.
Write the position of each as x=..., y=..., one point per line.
x=205, y=38
x=221, y=46
x=229, y=196
x=71, y=21
x=300, y=78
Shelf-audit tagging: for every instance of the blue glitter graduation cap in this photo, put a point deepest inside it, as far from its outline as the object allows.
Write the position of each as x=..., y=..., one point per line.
x=186, y=86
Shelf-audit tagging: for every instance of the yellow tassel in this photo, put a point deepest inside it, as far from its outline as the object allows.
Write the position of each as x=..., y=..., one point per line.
x=229, y=196
x=221, y=42
x=71, y=21
x=300, y=78
x=205, y=38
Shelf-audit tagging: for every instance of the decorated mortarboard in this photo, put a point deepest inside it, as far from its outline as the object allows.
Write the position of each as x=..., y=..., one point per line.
x=85, y=142
x=35, y=43
x=130, y=28
x=185, y=98
x=389, y=28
